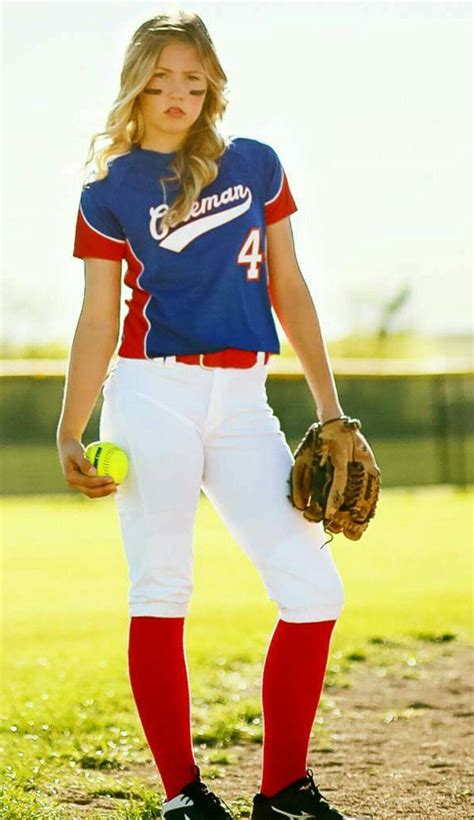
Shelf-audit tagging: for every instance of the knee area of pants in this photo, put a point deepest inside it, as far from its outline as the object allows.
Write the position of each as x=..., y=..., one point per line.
x=310, y=602
x=338, y=593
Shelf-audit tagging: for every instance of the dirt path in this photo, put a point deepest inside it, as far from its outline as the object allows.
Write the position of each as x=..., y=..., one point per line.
x=393, y=747
x=388, y=746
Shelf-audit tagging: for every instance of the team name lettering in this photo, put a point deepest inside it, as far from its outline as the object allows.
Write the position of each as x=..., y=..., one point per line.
x=206, y=205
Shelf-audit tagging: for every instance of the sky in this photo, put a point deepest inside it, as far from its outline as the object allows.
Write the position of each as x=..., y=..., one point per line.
x=368, y=105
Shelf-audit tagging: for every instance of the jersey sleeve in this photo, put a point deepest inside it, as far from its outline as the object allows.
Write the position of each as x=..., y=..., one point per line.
x=279, y=201
x=98, y=232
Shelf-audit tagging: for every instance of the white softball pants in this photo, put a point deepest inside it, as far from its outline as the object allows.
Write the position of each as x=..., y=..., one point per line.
x=187, y=428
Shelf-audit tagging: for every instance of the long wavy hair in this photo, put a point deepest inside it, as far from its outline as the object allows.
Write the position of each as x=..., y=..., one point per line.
x=196, y=162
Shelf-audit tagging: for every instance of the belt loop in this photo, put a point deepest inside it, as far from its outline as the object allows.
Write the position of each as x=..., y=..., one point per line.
x=201, y=362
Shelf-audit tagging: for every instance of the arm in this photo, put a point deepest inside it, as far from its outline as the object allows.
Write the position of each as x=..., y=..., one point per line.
x=296, y=312
x=94, y=343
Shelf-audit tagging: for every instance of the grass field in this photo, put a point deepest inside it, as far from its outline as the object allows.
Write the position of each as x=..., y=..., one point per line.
x=67, y=710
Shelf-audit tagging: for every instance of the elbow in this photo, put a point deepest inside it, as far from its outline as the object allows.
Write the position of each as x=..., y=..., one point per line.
x=289, y=299
x=104, y=333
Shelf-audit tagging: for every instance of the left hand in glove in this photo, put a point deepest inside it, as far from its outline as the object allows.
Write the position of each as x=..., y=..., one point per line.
x=335, y=477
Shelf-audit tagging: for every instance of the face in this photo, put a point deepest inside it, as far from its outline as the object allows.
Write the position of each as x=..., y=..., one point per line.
x=178, y=81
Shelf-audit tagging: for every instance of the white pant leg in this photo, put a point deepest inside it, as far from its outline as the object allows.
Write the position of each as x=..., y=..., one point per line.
x=146, y=412
x=247, y=464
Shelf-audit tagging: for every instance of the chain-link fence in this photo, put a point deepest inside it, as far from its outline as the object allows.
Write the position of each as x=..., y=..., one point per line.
x=419, y=419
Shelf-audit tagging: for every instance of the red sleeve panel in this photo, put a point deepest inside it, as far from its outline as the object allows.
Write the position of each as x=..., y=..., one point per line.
x=98, y=231
x=281, y=205
x=279, y=201
x=89, y=242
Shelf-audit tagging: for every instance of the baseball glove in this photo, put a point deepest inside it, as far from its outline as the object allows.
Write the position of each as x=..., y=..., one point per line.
x=335, y=478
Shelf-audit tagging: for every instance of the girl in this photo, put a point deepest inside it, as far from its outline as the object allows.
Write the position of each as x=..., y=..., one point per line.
x=202, y=222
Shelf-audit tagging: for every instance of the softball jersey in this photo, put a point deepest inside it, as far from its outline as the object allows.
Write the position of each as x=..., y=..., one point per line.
x=201, y=286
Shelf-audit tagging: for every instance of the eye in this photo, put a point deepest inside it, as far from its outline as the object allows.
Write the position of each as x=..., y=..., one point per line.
x=161, y=74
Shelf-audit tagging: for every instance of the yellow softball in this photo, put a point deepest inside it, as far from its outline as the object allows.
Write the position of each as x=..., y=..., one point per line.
x=108, y=459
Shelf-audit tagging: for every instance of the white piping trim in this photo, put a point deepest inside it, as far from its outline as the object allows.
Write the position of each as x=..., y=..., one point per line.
x=278, y=192
x=112, y=238
x=147, y=301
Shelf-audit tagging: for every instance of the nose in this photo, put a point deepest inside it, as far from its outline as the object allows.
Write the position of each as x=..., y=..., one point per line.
x=176, y=90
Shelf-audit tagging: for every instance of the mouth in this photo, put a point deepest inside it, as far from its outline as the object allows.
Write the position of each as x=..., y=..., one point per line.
x=174, y=110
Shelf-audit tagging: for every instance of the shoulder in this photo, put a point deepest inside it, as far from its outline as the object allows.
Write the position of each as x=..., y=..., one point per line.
x=103, y=190
x=252, y=149
x=262, y=159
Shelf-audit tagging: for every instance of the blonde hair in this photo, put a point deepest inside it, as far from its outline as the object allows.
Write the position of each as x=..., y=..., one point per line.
x=195, y=164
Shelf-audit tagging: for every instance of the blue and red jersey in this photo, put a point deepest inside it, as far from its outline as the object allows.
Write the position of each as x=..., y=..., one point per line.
x=201, y=286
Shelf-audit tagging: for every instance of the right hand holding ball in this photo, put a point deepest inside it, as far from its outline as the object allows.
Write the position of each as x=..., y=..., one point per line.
x=108, y=459
x=83, y=475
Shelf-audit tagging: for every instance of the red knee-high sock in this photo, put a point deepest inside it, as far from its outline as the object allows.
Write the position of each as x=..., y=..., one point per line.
x=293, y=676
x=159, y=681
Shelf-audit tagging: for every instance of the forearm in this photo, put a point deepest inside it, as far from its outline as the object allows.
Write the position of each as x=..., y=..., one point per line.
x=90, y=355
x=298, y=317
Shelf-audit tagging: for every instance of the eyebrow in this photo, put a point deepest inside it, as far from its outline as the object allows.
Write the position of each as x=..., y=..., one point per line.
x=162, y=68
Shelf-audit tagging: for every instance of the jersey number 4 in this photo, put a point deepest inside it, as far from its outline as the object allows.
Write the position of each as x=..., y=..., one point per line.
x=251, y=254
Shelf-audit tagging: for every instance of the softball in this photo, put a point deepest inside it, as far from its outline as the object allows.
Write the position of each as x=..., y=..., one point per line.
x=108, y=459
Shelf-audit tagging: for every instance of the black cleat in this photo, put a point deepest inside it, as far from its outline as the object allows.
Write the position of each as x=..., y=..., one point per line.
x=300, y=799
x=196, y=802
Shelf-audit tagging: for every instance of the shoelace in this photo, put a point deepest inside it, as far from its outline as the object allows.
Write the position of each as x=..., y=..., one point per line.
x=212, y=801
x=315, y=790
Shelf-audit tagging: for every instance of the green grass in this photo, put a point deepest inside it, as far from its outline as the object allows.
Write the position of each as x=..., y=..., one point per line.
x=67, y=711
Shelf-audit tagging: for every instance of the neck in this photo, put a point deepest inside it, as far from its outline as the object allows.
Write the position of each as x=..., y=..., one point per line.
x=165, y=143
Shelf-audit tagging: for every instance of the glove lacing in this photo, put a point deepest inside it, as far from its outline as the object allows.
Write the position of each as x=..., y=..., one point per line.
x=355, y=476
